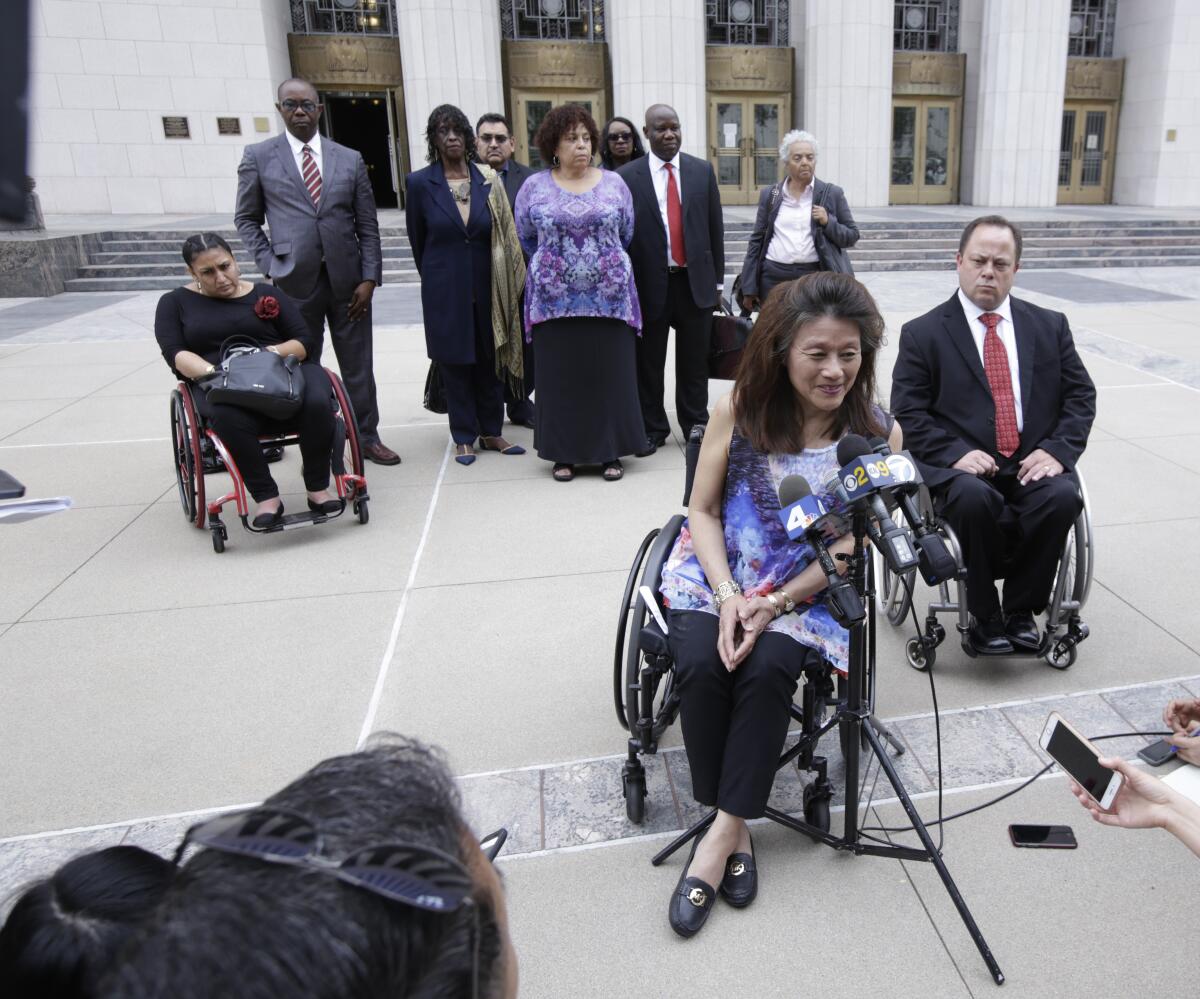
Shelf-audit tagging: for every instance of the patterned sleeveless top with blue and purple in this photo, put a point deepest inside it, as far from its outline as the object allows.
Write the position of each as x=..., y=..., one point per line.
x=760, y=555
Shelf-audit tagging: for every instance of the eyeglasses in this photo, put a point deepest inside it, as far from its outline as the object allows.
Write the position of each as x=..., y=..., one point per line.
x=290, y=105
x=620, y=136
x=409, y=873
x=492, y=140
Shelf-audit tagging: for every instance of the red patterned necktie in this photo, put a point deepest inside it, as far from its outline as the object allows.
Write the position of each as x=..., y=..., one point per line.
x=675, y=219
x=311, y=175
x=995, y=365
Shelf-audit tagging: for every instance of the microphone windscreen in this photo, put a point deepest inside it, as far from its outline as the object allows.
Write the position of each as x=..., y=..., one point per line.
x=879, y=445
x=850, y=447
x=792, y=489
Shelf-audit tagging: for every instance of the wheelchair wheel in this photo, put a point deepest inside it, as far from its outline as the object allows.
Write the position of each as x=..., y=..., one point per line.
x=816, y=807
x=627, y=632
x=352, y=460
x=893, y=596
x=189, y=464
x=635, y=797
x=919, y=657
x=1061, y=655
x=360, y=508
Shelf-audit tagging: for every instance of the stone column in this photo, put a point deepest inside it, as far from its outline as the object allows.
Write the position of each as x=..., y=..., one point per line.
x=848, y=94
x=1158, y=134
x=1022, y=79
x=970, y=30
x=450, y=54
x=657, y=53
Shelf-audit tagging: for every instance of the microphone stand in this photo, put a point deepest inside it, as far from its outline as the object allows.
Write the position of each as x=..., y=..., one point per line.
x=861, y=731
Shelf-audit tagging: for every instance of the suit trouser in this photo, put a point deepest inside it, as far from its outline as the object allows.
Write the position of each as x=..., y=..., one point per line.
x=1010, y=530
x=474, y=395
x=693, y=329
x=353, y=347
x=734, y=724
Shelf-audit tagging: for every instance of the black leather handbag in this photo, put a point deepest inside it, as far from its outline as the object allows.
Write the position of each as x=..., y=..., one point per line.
x=435, y=391
x=728, y=340
x=257, y=379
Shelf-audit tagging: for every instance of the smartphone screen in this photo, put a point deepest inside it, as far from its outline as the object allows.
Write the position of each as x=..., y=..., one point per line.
x=1049, y=837
x=1078, y=760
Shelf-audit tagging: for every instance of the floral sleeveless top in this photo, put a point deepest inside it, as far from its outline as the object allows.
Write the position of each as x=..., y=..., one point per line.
x=760, y=555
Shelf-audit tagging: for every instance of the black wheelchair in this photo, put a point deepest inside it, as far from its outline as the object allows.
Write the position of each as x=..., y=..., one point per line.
x=1064, y=628
x=644, y=676
x=198, y=451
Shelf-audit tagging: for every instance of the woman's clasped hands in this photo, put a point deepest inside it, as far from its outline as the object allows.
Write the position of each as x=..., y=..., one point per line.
x=742, y=621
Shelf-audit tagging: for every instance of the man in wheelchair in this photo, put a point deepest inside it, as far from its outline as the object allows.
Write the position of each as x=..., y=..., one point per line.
x=996, y=406
x=746, y=607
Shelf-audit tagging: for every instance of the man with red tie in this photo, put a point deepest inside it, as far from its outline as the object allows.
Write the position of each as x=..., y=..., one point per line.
x=996, y=407
x=678, y=256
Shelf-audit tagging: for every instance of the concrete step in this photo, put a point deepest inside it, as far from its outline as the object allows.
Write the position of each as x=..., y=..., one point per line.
x=166, y=283
x=161, y=258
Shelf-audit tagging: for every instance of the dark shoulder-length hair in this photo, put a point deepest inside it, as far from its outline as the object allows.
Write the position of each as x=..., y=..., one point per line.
x=448, y=114
x=765, y=404
x=557, y=123
x=606, y=154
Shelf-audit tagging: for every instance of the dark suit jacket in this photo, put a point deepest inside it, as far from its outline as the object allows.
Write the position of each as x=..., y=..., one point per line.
x=454, y=261
x=514, y=177
x=343, y=232
x=831, y=240
x=703, y=234
x=941, y=397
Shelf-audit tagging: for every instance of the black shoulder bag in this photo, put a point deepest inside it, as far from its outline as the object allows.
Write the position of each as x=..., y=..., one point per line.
x=256, y=379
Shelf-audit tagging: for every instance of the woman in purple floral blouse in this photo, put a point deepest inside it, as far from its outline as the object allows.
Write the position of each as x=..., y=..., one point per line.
x=581, y=306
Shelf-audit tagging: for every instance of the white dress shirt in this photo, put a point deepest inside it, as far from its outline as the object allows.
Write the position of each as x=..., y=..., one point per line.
x=792, y=241
x=1004, y=330
x=658, y=174
x=298, y=152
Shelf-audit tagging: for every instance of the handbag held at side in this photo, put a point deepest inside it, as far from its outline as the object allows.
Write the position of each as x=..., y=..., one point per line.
x=728, y=340
x=256, y=379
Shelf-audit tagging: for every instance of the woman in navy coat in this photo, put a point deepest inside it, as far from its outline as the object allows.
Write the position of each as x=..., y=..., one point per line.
x=450, y=229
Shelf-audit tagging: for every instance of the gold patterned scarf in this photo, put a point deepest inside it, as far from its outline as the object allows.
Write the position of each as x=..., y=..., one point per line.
x=508, y=281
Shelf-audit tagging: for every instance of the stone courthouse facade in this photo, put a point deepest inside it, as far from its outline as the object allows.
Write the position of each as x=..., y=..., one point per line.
x=144, y=107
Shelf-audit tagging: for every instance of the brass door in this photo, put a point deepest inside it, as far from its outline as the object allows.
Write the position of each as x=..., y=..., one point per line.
x=925, y=151
x=1086, y=153
x=531, y=106
x=744, y=133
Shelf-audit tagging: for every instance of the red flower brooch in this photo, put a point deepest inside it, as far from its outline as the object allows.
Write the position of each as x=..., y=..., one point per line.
x=267, y=307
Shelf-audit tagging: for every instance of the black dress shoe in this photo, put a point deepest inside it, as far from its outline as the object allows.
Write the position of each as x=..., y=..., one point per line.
x=1021, y=631
x=988, y=637
x=325, y=506
x=652, y=445
x=264, y=520
x=691, y=902
x=739, y=886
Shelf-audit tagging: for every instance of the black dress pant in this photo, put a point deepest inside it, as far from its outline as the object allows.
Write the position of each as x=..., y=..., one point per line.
x=734, y=724
x=693, y=328
x=1009, y=531
x=474, y=395
x=240, y=429
x=352, y=345
x=775, y=274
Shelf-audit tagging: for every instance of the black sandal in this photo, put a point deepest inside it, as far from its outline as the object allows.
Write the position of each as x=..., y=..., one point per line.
x=563, y=472
x=613, y=470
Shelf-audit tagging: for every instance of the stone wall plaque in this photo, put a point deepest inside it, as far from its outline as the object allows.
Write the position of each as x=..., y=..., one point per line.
x=176, y=127
x=262, y=124
x=1094, y=79
x=330, y=62
x=229, y=126
x=555, y=65
x=757, y=69
x=936, y=74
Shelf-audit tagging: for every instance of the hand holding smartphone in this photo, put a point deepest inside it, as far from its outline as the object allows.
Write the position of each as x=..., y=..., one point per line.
x=1080, y=759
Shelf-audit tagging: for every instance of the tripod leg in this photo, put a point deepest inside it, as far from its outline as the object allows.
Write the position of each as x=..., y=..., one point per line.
x=934, y=857
x=681, y=839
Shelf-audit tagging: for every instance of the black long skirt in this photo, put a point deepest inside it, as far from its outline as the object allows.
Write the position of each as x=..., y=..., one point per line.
x=587, y=409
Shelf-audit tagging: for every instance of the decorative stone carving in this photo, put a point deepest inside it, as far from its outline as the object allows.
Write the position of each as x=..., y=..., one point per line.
x=936, y=74
x=1094, y=79
x=330, y=61
x=574, y=65
x=745, y=68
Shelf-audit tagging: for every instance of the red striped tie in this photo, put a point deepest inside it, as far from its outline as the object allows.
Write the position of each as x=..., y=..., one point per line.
x=675, y=219
x=995, y=366
x=311, y=175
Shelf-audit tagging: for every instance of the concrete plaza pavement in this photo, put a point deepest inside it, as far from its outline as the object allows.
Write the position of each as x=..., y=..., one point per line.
x=145, y=680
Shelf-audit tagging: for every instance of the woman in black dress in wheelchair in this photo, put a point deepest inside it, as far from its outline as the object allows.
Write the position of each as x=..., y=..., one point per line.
x=191, y=324
x=746, y=606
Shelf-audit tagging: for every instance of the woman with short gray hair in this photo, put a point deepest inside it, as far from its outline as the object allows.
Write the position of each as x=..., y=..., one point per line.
x=803, y=225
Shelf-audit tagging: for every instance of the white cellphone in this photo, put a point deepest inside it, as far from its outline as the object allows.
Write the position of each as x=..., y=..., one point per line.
x=1079, y=758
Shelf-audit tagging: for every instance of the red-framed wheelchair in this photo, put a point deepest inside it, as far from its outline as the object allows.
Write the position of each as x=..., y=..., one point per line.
x=198, y=451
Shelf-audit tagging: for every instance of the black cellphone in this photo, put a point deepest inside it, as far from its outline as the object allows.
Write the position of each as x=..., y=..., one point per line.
x=1043, y=837
x=1157, y=753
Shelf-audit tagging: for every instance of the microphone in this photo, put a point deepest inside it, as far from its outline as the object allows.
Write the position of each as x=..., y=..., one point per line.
x=804, y=517
x=936, y=561
x=860, y=480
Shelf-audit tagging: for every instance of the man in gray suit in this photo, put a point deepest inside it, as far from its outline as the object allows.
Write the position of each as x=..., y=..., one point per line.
x=324, y=248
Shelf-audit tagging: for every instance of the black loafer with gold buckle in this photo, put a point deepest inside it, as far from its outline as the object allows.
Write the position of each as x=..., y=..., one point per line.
x=739, y=886
x=692, y=901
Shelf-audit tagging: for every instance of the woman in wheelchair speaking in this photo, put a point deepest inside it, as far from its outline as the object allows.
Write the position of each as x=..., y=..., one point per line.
x=746, y=607
x=191, y=324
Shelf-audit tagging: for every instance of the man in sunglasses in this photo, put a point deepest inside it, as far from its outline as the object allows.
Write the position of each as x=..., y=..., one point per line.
x=323, y=249
x=495, y=145
x=358, y=879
